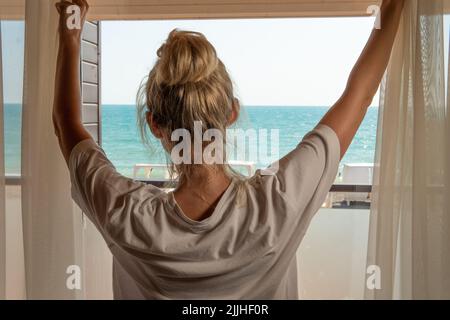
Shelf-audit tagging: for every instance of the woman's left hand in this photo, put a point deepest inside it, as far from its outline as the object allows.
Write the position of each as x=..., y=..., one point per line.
x=67, y=116
x=71, y=23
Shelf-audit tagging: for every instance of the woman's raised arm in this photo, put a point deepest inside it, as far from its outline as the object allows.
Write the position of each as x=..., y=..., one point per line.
x=67, y=102
x=346, y=115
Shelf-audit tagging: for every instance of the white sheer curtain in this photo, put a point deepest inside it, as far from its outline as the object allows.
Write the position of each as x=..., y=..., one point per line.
x=410, y=217
x=49, y=223
x=2, y=188
x=54, y=233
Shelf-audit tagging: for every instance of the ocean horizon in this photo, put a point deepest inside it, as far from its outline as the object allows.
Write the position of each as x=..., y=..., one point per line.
x=123, y=146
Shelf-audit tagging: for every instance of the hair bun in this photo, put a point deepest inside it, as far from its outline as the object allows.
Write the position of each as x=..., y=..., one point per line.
x=185, y=57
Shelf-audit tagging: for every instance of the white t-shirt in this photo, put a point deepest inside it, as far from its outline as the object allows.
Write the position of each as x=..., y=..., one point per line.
x=245, y=250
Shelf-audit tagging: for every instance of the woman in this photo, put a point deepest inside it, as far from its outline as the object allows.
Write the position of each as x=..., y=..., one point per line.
x=216, y=236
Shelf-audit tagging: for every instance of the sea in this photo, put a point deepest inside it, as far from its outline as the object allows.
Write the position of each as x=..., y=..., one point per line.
x=123, y=146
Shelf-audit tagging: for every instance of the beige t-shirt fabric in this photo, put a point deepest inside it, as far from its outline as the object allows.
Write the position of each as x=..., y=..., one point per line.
x=245, y=250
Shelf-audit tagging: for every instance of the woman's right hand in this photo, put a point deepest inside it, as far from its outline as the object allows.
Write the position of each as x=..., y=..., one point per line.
x=70, y=26
x=346, y=115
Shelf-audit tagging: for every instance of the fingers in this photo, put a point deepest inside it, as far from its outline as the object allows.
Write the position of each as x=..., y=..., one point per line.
x=72, y=15
x=82, y=4
x=62, y=6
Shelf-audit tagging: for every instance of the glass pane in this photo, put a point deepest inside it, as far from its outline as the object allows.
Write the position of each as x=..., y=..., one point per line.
x=13, y=59
x=287, y=74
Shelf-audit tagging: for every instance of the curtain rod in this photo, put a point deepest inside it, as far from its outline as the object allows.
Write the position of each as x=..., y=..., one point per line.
x=212, y=9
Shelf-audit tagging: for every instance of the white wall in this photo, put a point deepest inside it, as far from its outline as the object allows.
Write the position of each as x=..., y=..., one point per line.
x=15, y=268
x=332, y=256
x=97, y=284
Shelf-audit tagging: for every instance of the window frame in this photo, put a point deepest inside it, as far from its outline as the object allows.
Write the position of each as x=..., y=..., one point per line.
x=204, y=9
x=212, y=9
x=201, y=9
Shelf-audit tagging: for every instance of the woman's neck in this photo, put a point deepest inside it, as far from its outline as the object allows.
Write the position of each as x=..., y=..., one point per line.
x=207, y=179
x=199, y=194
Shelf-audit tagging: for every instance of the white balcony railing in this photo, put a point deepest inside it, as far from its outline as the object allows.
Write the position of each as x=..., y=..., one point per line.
x=331, y=257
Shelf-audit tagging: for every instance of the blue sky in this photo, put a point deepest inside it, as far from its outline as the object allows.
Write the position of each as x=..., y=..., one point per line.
x=271, y=61
x=12, y=53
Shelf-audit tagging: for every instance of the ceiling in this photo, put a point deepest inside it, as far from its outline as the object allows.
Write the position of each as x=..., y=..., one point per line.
x=204, y=9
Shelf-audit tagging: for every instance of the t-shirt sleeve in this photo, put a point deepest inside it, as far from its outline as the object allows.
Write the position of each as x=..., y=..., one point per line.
x=303, y=178
x=308, y=172
x=99, y=190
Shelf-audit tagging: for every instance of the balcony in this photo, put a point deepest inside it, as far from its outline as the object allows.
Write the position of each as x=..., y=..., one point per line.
x=331, y=258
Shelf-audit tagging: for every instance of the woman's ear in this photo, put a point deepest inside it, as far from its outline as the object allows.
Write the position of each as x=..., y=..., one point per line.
x=154, y=128
x=235, y=110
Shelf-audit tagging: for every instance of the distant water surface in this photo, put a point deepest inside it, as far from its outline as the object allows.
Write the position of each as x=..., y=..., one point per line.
x=123, y=146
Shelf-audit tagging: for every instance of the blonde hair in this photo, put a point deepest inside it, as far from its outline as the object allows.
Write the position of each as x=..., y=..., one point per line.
x=188, y=83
